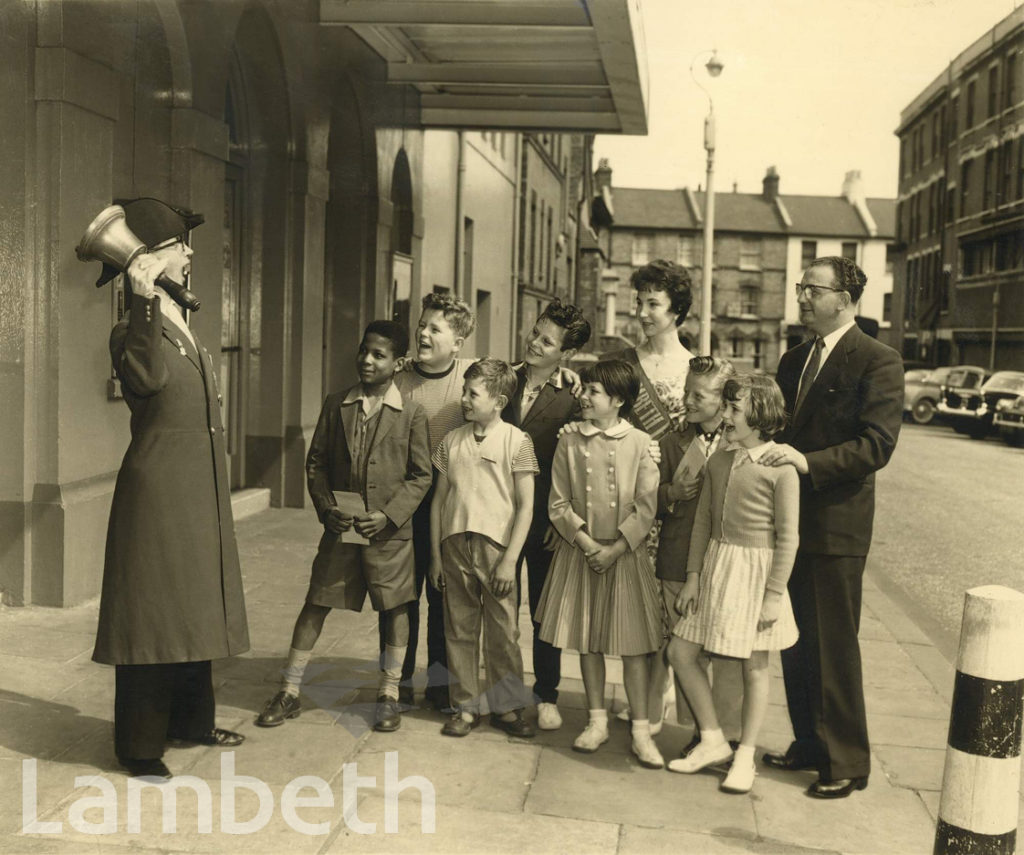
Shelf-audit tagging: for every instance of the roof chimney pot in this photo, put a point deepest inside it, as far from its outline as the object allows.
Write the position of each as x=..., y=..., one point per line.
x=770, y=185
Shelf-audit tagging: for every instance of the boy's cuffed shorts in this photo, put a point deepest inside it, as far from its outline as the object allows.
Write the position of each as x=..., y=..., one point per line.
x=344, y=573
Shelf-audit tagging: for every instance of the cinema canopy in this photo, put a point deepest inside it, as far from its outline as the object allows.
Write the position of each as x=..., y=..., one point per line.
x=512, y=64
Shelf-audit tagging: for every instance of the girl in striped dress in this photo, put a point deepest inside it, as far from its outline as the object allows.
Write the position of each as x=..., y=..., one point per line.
x=601, y=596
x=734, y=600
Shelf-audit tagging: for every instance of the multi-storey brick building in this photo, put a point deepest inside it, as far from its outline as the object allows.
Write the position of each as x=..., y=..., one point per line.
x=761, y=244
x=961, y=207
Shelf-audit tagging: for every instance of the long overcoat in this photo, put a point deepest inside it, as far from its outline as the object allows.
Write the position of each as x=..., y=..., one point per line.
x=172, y=586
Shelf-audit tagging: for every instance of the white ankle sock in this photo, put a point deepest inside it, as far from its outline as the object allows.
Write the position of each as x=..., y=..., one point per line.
x=712, y=737
x=744, y=755
x=599, y=717
x=641, y=727
x=294, y=669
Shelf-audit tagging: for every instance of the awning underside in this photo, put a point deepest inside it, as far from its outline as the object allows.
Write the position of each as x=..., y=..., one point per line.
x=510, y=64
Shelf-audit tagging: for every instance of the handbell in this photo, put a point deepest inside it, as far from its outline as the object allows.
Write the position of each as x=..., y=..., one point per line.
x=109, y=239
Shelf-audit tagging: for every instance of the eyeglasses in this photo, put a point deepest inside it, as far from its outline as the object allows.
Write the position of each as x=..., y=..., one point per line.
x=169, y=243
x=814, y=290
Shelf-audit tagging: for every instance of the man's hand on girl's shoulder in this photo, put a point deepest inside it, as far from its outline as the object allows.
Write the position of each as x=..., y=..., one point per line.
x=782, y=455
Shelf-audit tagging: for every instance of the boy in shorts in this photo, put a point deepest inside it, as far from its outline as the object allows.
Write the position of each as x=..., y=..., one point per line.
x=371, y=442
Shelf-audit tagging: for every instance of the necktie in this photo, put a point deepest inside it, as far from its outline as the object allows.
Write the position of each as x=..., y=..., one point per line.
x=810, y=372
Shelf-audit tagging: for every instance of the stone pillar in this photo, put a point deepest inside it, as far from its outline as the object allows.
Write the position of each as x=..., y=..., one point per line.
x=310, y=189
x=74, y=435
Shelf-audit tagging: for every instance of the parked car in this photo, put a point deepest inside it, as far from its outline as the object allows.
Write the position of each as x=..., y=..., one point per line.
x=970, y=409
x=1009, y=420
x=924, y=389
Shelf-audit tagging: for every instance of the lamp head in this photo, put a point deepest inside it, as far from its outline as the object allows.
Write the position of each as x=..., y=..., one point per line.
x=714, y=65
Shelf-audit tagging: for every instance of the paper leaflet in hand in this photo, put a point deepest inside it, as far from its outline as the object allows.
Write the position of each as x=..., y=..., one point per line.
x=691, y=467
x=352, y=505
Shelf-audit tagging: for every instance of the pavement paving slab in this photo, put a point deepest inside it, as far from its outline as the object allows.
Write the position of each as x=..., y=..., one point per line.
x=595, y=787
x=474, y=831
x=484, y=770
x=650, y=841
x=881, y=820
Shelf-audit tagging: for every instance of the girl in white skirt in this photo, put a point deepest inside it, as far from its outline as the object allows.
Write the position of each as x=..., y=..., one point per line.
x=601, y=596
x=734, y=600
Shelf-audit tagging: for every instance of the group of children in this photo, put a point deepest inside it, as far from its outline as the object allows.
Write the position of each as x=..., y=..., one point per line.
x=460, y=472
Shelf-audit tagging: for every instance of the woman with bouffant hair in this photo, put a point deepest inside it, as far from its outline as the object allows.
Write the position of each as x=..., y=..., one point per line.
x=663, y=297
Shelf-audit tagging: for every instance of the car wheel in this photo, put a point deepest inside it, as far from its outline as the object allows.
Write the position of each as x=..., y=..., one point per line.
x=1013, y=438
x=923, y=411
x=977, y=433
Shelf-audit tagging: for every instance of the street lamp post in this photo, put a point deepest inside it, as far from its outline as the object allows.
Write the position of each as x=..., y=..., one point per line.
x=714, y=68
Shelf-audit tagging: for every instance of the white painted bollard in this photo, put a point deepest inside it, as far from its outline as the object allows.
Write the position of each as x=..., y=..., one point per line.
x=979, y=807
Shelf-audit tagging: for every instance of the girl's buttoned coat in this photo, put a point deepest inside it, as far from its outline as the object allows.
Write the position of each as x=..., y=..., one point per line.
x=606, y=481
x=172, y=586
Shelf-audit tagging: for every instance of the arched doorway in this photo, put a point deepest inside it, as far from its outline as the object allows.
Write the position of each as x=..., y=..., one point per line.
x=256, y=277
x=350, y=244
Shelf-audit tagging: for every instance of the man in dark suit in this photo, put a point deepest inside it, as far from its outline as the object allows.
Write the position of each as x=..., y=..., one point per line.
x=542, y=403
x=844, y=393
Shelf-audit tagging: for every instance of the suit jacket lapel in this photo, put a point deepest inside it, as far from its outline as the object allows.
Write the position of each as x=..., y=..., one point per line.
x=388, y=417
x=544, y=400
x=827, y=375
x=348, y=422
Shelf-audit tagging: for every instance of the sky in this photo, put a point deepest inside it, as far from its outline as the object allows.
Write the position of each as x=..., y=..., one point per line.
x=812, y=87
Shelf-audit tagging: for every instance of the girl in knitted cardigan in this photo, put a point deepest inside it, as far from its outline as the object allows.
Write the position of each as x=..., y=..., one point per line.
x=734, y=601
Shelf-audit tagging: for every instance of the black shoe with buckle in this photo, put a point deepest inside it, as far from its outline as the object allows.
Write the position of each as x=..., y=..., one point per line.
x=279, y=709
x=517, y=726
x=154, y=769
x=458, y=726
x=388, y=717
x=840, y=788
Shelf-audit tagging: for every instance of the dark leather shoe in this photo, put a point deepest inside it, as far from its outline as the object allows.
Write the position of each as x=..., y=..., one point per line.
x=217, y=737
x=458, y=726
x=279, y=708
x=406, y=697
x=388, y=717
x=222, y=738
x=837, y=789
x=786, y=762
x=148, y=769
x=517, y=726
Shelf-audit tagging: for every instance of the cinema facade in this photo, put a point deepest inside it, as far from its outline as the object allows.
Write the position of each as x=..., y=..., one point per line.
x=347, y=156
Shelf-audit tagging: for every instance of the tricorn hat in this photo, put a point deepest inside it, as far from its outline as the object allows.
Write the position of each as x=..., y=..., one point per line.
x=152, y=222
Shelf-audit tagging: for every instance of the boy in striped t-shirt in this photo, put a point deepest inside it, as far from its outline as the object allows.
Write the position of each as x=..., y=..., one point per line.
x=435, y=382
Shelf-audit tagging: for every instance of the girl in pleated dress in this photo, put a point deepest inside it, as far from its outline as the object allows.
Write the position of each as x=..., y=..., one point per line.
x=734, y=600
x=601, y=596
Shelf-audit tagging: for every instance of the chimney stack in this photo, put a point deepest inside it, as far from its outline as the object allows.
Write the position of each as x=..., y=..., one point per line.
x=770, y=185
x=853, y=188
x=603, y=174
